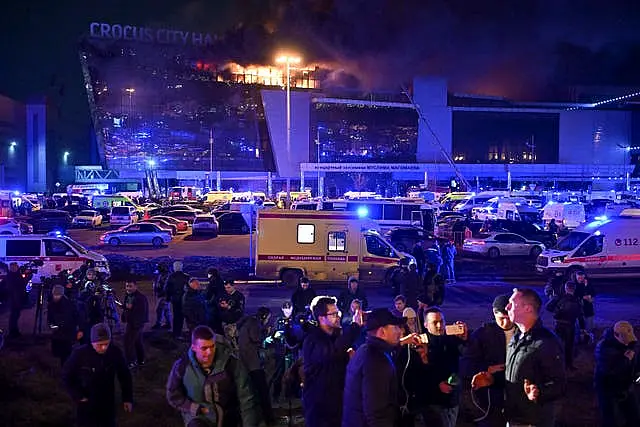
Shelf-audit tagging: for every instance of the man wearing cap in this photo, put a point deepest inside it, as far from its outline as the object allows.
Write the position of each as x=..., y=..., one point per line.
x=62, y=318
x=616, y=370
x=486, y=353
x=89, y=378
x=371, y=386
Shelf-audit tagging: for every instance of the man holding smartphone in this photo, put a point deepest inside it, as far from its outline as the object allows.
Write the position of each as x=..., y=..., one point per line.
x=445, y=344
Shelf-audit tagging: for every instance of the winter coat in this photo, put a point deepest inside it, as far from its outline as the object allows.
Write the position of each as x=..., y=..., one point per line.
x=538, y=357
x=177, y=282
x=194, y=306
x=138, y=314
x=325, y=361
x=371, y=387
x=64, y=315
x=444, y=360
x=160, y=285
x=581, y=291
x=614, y=373
x=249, y=341
x=236, y=307
x=433, y=288
x=89, y=375
x=487, y=346
x=566, y=309
x=226, y=391
x=346, y=297
x=16, y=289
x=301, y=298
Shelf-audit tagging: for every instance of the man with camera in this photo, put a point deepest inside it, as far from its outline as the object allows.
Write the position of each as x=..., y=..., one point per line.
x=326, y=352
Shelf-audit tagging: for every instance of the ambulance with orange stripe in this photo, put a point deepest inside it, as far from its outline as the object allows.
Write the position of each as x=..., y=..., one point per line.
x=323, y=246
x=606, y=247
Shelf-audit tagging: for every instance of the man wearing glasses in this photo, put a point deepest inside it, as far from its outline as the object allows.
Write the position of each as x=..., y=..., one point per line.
x=326, y=352
x=534, y=377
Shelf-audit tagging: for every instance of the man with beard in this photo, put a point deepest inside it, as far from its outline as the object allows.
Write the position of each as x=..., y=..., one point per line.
x=325, y=357
x=487, y=352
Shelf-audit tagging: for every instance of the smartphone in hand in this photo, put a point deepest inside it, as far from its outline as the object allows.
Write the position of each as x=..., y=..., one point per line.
x=457, y=329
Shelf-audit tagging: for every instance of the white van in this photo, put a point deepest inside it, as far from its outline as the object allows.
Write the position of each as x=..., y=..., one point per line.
x=123, y=215
x=56, y=252
x=566, y=214
x=604, y=248
x=466, y=205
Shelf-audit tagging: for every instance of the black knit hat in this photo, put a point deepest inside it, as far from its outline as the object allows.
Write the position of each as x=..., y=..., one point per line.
x=500, y=303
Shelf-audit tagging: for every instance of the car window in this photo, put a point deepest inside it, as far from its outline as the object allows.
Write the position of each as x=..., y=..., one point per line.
x=377, y=247
x=502, y=238
x=120, y=211
x=147, y=228
x=133, y=228
x=592, y=246
x=87, y=213
x=54, y=247
x=204, y=219
x=20, y=247
x=337, y=241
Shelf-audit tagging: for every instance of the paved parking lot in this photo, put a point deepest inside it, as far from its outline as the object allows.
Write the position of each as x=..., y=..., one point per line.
x=182, y=245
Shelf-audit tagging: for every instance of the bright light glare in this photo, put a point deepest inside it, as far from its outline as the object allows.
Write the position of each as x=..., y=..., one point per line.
x=151, y=162
x=291, y=59
x=363, y=211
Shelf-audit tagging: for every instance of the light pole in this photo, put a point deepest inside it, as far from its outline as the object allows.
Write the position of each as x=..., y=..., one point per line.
x=288, y=60
x=211, y=159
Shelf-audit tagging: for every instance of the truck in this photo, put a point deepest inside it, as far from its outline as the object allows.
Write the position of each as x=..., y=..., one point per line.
x=323, y=246
x=609, y=247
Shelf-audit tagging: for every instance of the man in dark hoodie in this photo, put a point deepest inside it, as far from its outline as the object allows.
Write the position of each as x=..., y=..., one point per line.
x=617, y=367
x=302, y=296
x=62, y=318
x=176, y=284
x=566, y=310
x=486, y=351
x=325, y=357
x=353, y=291
x=194, y=305
x=89, y=378
x=135, y=315
x=210, y=386
x=252, y=331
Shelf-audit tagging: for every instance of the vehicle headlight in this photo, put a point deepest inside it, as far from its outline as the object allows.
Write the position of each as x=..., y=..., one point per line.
x=558, y=259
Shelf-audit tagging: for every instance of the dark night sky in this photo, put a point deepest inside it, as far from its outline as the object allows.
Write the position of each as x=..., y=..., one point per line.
x=520, y=49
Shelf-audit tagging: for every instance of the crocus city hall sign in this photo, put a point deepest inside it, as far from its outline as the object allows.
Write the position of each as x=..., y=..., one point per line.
x=101, y=30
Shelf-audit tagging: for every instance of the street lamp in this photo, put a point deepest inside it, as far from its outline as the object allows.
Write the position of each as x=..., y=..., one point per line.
x=65, y=156
x=288, y=60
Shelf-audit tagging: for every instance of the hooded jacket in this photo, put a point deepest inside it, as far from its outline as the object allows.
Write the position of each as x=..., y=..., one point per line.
x=225, y=391
x=614, y=373
x=301, y=298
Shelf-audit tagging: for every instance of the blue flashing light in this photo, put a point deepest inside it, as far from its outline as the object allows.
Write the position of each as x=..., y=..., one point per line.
x=601, y=218
x=363, y=212
x=17, y=193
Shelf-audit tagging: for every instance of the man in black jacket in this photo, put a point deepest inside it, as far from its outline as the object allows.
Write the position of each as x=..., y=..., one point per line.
x=89, y=378
x=617, y=368
x=230, y=311
x=302, y=296
x=62, y=318
x=135, y=314
x=486, y=351
x=176, y=284
x=353, y=291
x=566, y=310
x=371, y=392
x=15, y=285
x=325, y=357
x=534, y=377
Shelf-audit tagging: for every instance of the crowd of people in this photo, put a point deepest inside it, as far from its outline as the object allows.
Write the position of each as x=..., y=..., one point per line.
x=351, y=364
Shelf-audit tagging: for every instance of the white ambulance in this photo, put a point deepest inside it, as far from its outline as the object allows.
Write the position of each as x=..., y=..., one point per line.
x=609, y=247
x=566, y=214
x=323, y=246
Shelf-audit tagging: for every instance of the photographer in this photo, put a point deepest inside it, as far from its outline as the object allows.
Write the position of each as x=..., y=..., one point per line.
x=286, y=340
x=62, y=319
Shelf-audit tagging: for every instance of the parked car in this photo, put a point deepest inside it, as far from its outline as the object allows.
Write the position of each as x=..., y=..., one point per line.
x=46, y=220
x=232, y=223
x=184, y=215
x=10, y=228
x=529, y=231
x=181, y=225
x=404, y=238
x=74, y=210
x=123, y=215
x=142, y=233
x=205, y=224
x=165, y=210
x=88, y=218
x=162, y=223
x=495, y=245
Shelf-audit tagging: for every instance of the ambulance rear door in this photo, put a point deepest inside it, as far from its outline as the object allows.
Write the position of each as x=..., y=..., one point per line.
x=341, y=258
